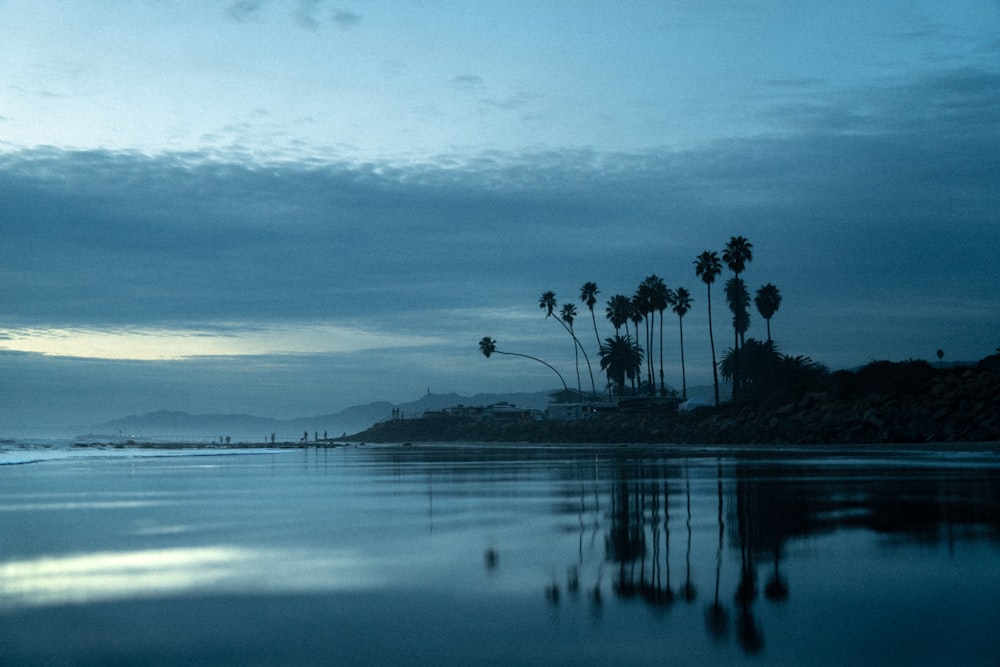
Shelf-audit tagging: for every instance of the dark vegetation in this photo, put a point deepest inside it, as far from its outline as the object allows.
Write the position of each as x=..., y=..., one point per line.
x=776, y=398
x=883, y=402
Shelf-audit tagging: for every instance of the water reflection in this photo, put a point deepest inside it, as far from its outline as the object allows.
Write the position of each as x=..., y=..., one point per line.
x=120, y=575
x=763, y=506
x=575, y=555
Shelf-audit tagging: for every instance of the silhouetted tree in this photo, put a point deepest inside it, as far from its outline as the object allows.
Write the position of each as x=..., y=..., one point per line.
x=768, y=300
x=642, y=304
x=739, y=303
x=488, y=347
x=547, y=302
x=707, y=266
x=588, y=295
x=618, y=311
x=737, y=254
x=682, y=304
x=568, y=315
x=621, y=358
x=660, y=297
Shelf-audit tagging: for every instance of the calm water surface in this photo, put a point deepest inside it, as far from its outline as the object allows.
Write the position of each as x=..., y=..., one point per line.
x=499, y=555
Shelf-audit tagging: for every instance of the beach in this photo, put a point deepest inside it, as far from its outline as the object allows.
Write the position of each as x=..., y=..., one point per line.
x=493, y=554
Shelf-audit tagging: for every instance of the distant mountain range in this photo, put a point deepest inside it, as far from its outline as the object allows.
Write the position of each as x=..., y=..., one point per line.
x=165, y=424
x=173, y=425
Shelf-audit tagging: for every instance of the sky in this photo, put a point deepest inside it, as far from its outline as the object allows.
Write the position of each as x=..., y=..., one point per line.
x=286, y=208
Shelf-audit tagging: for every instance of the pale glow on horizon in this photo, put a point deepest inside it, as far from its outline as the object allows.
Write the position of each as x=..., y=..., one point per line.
x=149, y=344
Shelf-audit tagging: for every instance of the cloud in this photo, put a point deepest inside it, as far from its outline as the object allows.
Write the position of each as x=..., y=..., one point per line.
x=467, y=81
x=346, y=19
x=244, y=10
x=868, y=228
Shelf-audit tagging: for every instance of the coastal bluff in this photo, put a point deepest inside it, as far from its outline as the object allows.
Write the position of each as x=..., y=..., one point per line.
x=882, y=403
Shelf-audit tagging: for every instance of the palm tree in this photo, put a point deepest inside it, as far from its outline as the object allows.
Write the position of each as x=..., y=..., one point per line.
x=660, y=296
x=618, y=311
x=682, y=304
x=739, y=303
x=638, y=314
x=621, y=358
x=547, y=302
x=737, y=254
x=641, y=305
x=588, y=295
x=488, y=346
x=707, y=266
x=768, y=300
x=567, y=315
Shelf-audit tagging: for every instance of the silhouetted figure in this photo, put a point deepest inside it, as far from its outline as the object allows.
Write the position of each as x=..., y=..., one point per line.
x=492, y=558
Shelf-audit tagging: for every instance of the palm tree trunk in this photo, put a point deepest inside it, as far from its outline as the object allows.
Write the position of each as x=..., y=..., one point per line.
x=711, y=338
x=528, y=356
x=663, y=385
x=684, y=382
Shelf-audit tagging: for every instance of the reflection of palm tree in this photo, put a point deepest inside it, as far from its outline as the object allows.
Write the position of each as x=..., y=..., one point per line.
x=682, y=304
x=768, y=300
x=688, y=590
x=776, y=588
x=716, y=616
x=707, y=267
x=488, y=346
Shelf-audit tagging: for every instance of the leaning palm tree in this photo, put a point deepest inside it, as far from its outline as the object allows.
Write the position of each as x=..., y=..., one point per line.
x=682, y=304
x=547, y=302
x=488, y=346
x=768, y=300
x=707, y=266
x=588, y=295
x=621, y=358
x=642, y=301
x=568, y=316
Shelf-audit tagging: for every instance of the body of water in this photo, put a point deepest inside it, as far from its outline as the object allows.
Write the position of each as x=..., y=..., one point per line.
x=491, y=554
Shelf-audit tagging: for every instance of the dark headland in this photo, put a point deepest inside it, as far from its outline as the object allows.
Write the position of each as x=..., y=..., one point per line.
x=881, y=403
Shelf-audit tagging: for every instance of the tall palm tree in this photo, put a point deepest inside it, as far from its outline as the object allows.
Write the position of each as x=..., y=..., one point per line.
x=660, y=296
x=636, y=316
x=738, y=299
x=682, y=304
x=588, y=295
x=488, y=346
x=737, y=254
x=568, y=315
x=642, y=300
x=618, y=311
x=768, y=300
x=707, y=266
x=621, y=358
x=547, y=302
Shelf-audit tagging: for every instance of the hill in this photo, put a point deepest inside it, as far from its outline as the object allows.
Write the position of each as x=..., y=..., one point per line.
x=175, y=425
